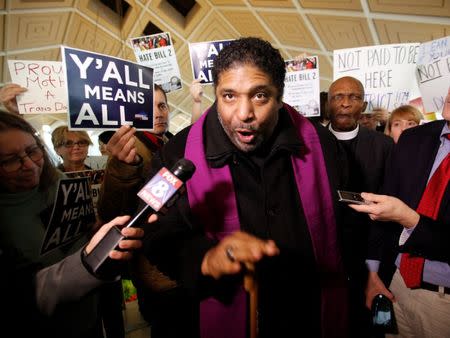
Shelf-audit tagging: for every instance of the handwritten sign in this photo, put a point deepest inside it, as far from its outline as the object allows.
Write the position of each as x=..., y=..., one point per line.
x=157, y=52
x=302, y=85
x=386, y=72
x=433, y=73
x=202, y=56
x=106, y=92
x=72, y=215
x=46, y=86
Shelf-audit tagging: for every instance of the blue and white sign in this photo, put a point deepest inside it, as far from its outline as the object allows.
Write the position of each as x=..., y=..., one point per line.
x=202, y=56
x=105, y=93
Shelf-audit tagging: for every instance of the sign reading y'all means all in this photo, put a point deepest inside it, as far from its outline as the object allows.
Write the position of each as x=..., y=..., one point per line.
x=202, y=56
x=106, y=92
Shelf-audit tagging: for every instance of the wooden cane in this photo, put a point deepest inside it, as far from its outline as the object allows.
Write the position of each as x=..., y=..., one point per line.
x=251, y=286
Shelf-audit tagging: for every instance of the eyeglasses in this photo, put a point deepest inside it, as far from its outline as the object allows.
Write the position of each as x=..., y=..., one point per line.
x=16, y=162
x=71, y=144
x=351, y=97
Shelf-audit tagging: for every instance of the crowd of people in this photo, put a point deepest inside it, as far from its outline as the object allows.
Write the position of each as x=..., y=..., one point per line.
x=260, y=238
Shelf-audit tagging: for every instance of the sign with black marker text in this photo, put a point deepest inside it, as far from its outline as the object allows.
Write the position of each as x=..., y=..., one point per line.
x=387, y=72
x=45, y=82
x=433, y=73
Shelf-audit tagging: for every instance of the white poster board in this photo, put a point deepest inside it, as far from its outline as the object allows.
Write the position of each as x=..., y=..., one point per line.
x=433, y=73
x=156, y=51
x=387, y=72
x=302, y=85
x=45, y=82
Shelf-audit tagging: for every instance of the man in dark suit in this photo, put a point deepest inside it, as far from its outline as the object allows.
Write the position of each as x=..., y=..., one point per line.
x=416, y=209
x=367, y=151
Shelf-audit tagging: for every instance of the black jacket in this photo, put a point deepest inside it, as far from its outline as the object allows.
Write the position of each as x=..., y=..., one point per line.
x=269, y=207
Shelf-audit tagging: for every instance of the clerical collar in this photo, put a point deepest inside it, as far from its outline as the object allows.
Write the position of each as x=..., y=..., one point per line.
x=344, y=135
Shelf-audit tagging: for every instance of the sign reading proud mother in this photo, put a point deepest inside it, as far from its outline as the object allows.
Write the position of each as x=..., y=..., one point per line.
x=45, y=83
x=106, y=92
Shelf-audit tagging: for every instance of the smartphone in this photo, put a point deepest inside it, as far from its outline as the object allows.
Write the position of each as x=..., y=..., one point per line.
x=350, y=197
x=383, y=318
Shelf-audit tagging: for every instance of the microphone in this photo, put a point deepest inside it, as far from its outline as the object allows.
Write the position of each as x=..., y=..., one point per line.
x=159, y=194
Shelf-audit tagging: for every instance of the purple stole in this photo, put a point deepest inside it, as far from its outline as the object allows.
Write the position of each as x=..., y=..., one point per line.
x=212, y=199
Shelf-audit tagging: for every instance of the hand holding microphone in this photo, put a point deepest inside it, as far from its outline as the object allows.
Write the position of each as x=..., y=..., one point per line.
x=159, y=194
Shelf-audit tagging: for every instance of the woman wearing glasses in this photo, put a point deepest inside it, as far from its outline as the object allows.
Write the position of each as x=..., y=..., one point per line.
x=54, y=291
x=72, y=146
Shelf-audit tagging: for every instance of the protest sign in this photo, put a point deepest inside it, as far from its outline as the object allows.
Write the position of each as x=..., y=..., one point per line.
x=72, y=215
x=106, y=92
x=302, y=85
x=95, y=177
x=45, y=82
x=202, y=56
x=433, y=73
x=157, y=52
x=387, y=72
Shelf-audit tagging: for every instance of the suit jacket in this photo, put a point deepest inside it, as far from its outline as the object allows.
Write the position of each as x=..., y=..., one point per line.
x=371, y=154
x=367, y=156
x=407, y=175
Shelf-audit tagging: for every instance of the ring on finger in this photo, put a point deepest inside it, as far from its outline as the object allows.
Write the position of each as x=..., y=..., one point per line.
x=230, y=254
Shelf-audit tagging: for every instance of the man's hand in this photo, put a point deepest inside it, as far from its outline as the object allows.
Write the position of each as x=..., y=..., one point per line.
x=239, y=248
x=196, y=90
x=387, y=208
x=131, y=241
x=122, y=145
x=8, y=95
x=374, y=287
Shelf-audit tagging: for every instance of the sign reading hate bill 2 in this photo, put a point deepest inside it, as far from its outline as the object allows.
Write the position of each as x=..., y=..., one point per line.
x=106, y=92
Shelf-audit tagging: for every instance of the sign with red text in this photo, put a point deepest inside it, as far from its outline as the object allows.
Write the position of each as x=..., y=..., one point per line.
x=433, y=73
x=45, y=82
x=302, y=85
x=387, y=72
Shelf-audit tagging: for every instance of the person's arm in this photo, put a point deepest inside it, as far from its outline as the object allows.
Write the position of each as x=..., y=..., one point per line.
x=123, y=176
x=196, y=91
x=424, y=230
x=8, y=95
x=69, y=280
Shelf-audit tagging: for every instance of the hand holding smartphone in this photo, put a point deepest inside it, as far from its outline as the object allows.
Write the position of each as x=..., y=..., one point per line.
x=350, y=197
x=383, y=318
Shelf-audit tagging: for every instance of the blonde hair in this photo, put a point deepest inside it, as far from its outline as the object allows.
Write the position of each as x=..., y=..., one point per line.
x=405, y=112
x=59, y=136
